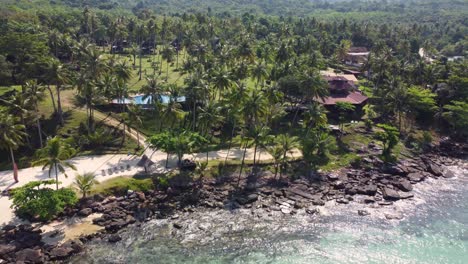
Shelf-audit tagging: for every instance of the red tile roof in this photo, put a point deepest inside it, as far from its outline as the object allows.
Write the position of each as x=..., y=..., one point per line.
x=354, y=98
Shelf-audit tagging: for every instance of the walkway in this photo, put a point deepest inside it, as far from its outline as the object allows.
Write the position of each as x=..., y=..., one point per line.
x=117, y=164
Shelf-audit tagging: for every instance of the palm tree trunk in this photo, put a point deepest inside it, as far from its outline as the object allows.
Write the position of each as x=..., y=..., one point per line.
x=56, y=176
x=52, y=97
x=255, y=155
x=140, y=64
x=167, y=159
x=242, y=165
x=39, y=130
x=230, y=142
x=138, y=138
x=59, y=105
x=13, y=162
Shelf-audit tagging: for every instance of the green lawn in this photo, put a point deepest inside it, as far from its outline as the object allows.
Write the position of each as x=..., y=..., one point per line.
x=120, y=185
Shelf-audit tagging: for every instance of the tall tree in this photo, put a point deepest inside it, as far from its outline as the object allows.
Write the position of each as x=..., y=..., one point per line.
x=54, y=157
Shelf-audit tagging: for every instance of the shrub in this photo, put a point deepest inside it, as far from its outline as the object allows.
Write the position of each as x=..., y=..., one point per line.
x=34, y=203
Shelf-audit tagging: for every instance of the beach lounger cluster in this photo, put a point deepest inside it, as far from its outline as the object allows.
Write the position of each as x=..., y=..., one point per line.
x=116, y=170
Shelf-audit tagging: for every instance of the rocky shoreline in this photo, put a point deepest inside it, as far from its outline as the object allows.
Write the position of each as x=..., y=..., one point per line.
x=381, y=184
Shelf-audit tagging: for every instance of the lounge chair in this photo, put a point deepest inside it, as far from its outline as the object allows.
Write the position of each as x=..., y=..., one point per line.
x=103, y=172
x=128, y=166
x=122, y=168
x=109, y=171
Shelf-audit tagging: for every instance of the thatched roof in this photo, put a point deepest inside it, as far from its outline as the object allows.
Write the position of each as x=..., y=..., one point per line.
x=145, y=162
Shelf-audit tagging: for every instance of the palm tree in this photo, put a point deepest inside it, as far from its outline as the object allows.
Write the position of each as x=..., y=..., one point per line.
x=277, y=153
x=11, y=134
x=221, y=79
x=134, y=118
x=168, y=55
x=260, y=72
x=35, y=93
x=53, y=157
x=173, y=109
x=201, y=169
x=254, y=107
x=209, y=116
x=134, y=50
x=85, y=182
x=260, y=135
x=58, y=75
x=287, y=144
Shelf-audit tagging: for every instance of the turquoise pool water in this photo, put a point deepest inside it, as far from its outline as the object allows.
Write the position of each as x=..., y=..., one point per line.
x=141, y=100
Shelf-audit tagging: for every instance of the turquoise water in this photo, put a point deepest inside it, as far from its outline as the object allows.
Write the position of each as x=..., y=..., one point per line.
x=434, y=230
x=141, y=100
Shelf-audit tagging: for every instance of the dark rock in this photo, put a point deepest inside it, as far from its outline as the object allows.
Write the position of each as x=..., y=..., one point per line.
x=177, y=225
x=448, y=174
x=114, y=238
x=29, y=256
x=390, y=194
x=363, y=212
x=141, y=196
x=9, y=227
x=369, y=200
x=384, y=203
x=333, y=176
x=434, y=169
x=312, y=210
x=370, y=190
x=6, y=249
x=404, y=185
x=406, y=195
x=339, y=185
x=247, y=199
x=416, y=176
x=85, y=212
x=393, y=216
x=61, y=252
x=342, y=201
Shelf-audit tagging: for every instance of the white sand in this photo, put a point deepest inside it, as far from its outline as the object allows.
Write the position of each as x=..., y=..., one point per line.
x=98, y=163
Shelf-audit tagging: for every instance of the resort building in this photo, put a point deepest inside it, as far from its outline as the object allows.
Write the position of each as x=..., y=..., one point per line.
x=356, y=56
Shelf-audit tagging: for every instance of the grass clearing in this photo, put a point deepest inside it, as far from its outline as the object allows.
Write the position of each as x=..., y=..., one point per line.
x=120, y=185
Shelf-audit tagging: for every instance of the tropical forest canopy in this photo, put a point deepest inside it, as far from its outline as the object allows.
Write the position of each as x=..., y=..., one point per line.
x=247, y=68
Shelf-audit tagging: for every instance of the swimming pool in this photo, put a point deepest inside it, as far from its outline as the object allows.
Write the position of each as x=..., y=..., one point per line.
x=142, y=100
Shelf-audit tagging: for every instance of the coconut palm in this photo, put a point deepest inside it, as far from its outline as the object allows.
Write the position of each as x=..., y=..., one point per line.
x=53, y=157
x=277, y=153
x=209, y=116
x=288, y=144
x=35, y=93
x=11, y=134
x=134, y=118
x=85, y=182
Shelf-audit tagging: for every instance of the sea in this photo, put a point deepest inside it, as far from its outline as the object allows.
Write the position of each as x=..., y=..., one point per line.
x=433, y=229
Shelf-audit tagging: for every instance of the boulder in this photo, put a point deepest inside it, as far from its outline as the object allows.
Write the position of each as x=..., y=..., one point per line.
x=342, y=201
x=390, y=194
x=29, y=256
x=363, y=212
x=141, y=196
x=5, y=249
x=448, y=174
x=85, y=212
x=404, y=185
x=370, y=189
x=114, y=238
x=393, y=216
x=406, y=195
x=416, y=176
x=312, y=210
x=177, y=225
x=434, y=169
x=247, y=199
x=61, y=252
